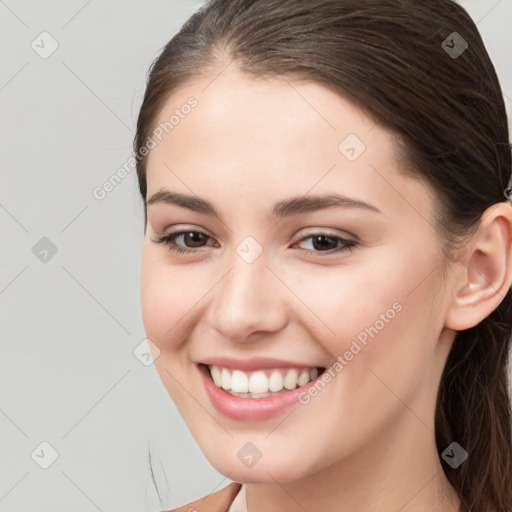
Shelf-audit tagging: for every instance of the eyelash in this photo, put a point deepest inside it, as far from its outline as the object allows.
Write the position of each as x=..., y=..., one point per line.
x=169, y=238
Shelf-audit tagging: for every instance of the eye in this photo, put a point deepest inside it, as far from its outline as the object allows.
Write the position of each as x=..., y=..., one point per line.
x=328, y=244
x=320, y=242
x=194, y=237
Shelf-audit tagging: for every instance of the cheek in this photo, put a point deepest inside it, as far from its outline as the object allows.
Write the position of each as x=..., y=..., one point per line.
x=165, y=298
x=346, y=300
x=378, y=318
x=385, y=336
x=164, y=305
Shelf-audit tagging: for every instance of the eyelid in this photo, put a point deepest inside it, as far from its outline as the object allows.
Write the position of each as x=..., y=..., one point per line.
x=300, y=234
x=179, y=229
x=310, y=231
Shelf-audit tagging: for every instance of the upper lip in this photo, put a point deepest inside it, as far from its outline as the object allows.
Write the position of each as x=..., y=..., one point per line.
x=254, y=363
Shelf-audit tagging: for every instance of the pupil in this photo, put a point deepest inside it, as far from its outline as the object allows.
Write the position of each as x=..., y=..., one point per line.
x=322, y=237
x=195, y=235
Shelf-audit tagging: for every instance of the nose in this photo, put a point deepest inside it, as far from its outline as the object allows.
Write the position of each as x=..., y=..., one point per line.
x=249, y=299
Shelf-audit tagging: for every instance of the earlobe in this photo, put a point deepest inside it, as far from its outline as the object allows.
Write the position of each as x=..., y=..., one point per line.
x=486, y=273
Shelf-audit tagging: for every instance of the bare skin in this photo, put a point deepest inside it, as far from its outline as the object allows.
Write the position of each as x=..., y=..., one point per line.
x=366, y=441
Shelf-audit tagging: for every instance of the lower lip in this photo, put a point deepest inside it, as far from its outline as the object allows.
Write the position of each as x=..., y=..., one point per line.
x=250, y=409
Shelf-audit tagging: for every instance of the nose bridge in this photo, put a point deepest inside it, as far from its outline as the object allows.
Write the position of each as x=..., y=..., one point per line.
x=247, y=298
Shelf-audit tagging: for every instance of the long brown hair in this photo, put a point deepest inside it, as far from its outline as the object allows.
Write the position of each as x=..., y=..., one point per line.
x=420, y=69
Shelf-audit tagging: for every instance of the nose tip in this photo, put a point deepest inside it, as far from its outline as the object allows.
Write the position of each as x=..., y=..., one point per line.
x=247, y=301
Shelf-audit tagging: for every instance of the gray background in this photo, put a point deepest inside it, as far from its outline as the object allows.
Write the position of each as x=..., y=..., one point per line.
x=70, y=321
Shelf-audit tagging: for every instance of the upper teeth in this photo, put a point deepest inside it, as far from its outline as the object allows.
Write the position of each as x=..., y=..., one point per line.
x=261, y=381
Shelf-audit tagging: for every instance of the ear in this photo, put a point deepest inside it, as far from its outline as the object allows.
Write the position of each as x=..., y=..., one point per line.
x=485, y=275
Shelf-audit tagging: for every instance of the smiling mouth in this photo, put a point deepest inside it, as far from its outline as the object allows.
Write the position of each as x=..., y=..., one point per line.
x=261, y=383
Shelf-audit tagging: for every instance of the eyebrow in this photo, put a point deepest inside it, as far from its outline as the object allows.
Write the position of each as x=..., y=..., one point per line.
x=286, y=207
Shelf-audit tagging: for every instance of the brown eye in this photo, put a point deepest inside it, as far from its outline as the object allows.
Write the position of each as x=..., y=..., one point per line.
x=192, y=239
x=326, y=243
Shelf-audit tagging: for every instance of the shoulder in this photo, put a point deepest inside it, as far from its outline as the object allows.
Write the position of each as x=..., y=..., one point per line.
x=218, y=501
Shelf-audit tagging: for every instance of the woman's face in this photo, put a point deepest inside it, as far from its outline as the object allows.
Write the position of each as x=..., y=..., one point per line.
x=276, y=283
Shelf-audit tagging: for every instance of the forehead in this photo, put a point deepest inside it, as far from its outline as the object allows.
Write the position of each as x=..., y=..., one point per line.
x=232, y=98
x=263, y=133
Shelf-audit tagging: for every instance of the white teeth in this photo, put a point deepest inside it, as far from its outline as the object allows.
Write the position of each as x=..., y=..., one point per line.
x=290, y=381
x=216, y=376
x=239, y=382
x=303, y=378
x=262, y=382
x=275, y=382
x=258, y=383
x=226, y=379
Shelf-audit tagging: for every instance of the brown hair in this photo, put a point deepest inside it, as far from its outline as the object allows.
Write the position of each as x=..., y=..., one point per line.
x=393, y=59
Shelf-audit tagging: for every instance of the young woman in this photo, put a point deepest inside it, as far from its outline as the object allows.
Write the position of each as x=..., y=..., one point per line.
x=327, y=263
